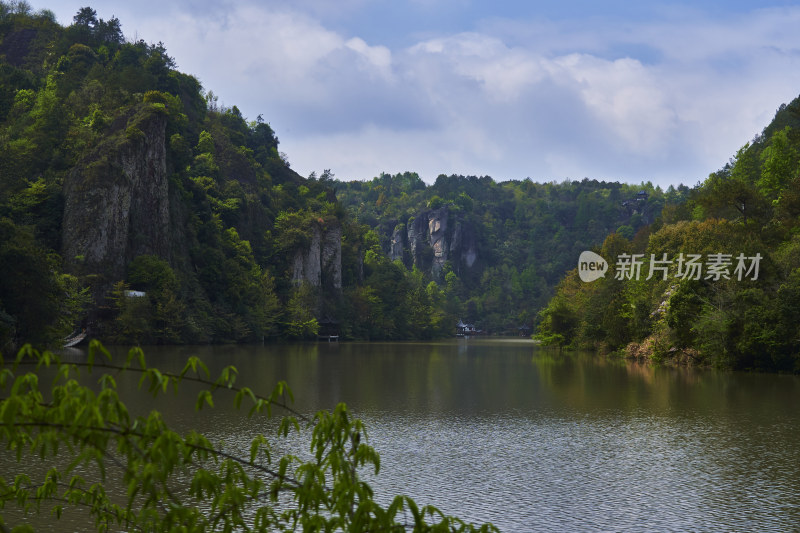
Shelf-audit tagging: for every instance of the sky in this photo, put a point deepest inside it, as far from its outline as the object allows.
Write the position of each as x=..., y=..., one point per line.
x=665, y=92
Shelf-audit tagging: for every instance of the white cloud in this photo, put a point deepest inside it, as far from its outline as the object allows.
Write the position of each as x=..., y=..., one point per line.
x=277, y=52
x=624, y=95
x=371, y=150
x=377, y=57
x=502, y=71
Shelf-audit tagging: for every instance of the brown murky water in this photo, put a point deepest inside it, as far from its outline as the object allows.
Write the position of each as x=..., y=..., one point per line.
x=534, y=440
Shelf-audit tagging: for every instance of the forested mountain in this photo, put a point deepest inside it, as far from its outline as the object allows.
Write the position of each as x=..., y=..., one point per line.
x=726, y=265
x=133, y=206
x=497, y=249
x=118, y=173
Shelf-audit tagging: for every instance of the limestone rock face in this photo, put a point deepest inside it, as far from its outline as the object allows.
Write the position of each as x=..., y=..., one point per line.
x=118, y=206
x=321, y=263
x=417, y=235
x=331, y=257
x=437, y=233
x=397, y=243
x=306, y=265
x=117, y=202
x=432, y=239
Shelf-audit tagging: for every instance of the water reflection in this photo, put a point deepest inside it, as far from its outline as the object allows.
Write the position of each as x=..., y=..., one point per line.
x=532, y=439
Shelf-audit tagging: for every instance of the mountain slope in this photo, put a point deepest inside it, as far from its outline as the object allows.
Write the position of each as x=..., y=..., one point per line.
x=499, y=249
x=739, y=307
x=129, y=172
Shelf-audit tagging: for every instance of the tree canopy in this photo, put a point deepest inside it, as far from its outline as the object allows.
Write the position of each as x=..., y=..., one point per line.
x=737, y=234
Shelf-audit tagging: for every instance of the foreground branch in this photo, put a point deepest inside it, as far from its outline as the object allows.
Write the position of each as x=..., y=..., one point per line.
x=230, y=491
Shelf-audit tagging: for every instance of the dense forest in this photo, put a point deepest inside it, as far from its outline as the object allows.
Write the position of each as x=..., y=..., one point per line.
x=134, y=206
x=739, y=307
x=497, y=249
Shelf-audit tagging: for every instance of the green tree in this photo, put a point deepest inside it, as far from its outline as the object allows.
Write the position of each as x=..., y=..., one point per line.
x=156, y=278
x=134, y=316
x=734, y=194
x=626, y=231
x=684, y=309
x=780, y=164
x=264, y=307
x=33, y=294
x=558, y=323
x=86, y=16
x=364, y=313
x=435, y=202
x=300, y=320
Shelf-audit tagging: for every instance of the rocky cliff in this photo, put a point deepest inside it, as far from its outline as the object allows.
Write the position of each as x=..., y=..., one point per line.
x=117, y=200
x=397, y=243
x=117, y=207
x=433, y=238
x=320, y=264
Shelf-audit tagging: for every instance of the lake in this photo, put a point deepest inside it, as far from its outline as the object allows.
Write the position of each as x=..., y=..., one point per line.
x=536, y=440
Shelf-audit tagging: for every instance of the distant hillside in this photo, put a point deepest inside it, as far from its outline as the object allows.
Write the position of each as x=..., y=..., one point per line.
x=499, y=248
x=726, y=265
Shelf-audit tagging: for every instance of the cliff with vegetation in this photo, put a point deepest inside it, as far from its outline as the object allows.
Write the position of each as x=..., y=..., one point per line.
x=116, y=200
x=121, y=174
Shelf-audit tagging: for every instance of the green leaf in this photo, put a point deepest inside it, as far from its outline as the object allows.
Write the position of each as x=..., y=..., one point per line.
x=204, y=397
x=94, y=347
x=244, y=391
x=107, y=381
x=193, y=363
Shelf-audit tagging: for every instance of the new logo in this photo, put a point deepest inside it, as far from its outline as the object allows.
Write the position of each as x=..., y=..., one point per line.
x=591, y=266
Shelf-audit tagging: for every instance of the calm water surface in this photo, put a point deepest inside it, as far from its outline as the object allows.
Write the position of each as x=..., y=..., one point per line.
x=534, y=440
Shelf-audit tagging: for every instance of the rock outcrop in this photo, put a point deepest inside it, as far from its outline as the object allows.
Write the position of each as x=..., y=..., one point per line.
x=397, y=244
x=331, y=257
x=118, y=206
x=432, y=239
x=117, y=200
x=320, y=264
x=463, y=245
